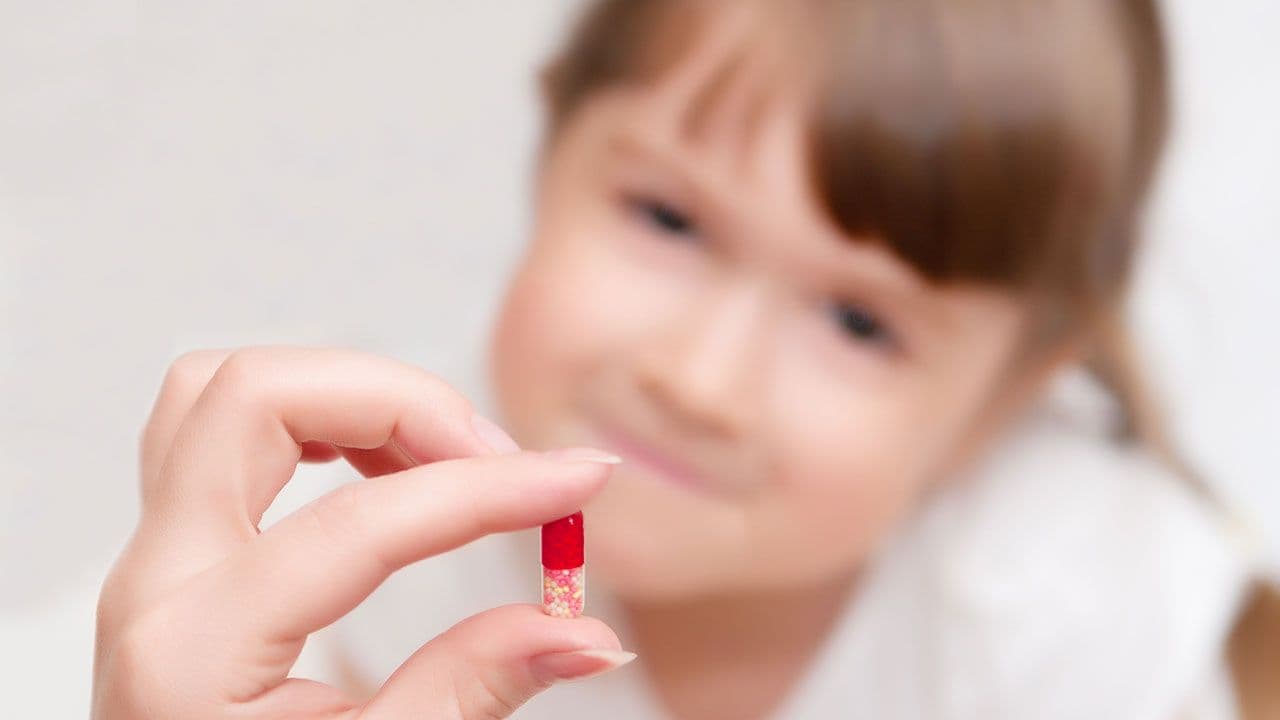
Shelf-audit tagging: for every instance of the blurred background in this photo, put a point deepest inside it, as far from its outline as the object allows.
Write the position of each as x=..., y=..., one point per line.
x=177, y=174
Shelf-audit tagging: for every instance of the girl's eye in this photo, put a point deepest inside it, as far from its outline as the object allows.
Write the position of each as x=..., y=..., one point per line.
x=859, y=324
x=664, y=217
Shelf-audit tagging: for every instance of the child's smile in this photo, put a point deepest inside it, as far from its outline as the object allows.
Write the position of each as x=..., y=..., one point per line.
x=783, y=392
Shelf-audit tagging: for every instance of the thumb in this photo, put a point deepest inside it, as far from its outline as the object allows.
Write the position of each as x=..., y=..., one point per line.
x=490, y=664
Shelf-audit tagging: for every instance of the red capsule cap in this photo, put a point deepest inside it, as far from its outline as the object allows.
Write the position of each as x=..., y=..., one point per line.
x=562, y=543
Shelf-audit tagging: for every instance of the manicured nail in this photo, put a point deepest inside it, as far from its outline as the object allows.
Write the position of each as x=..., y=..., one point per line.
x=495, y=437
x=579, y=664
x=583, y=454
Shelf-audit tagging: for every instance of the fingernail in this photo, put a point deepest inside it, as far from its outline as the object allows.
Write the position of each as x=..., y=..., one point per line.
x=579, y=664
x=495, y=437
x=583, y=454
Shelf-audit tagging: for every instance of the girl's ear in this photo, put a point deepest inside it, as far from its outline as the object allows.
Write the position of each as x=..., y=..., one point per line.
x=1042, y=358
x=1044, y=362
x=1028, y=373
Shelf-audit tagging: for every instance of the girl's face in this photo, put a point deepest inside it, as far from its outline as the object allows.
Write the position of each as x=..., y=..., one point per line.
x=782, y=394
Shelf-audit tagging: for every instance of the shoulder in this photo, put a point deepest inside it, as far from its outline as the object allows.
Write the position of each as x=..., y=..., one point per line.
x=1059, y=502
x=1076, y=562
x=1067, y=577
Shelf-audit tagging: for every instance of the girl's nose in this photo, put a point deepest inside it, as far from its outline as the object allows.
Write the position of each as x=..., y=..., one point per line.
x=705, y=369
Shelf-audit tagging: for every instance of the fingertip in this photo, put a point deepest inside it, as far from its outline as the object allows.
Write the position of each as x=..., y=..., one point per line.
x=512, y=652
x=593, y=632
x=546, y=483
x=541, y=633
x=577, y=664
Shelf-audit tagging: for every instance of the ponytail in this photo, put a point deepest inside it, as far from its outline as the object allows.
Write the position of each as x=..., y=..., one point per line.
x=1254, y=654
x=1253, y=650
x=1117, y=365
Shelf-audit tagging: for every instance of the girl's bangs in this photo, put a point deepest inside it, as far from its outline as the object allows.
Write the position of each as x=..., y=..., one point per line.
x=995, y=143
x=979, y=143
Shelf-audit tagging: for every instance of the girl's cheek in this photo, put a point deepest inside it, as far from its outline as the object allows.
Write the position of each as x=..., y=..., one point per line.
x=854, y=452
x=590, y=290
x=577, y=306
x=530, y=353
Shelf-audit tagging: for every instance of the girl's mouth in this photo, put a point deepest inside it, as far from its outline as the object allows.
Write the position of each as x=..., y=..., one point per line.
x=653, y=461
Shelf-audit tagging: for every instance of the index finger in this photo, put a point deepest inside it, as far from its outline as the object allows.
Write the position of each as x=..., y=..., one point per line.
x=318, y=563
x=242, y=439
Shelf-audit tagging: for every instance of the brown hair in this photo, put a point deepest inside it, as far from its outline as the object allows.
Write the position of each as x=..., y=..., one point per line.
x=1008, y=143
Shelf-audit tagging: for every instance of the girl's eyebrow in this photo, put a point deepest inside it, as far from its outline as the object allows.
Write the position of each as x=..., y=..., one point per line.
x=634, y=144
x=870, y=256
x=837, y=256
x=629, y=138
x=631, y=143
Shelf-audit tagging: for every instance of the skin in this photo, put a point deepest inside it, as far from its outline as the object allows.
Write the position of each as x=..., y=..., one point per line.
x=675, y=307
x=782, y=395
x=226, y=433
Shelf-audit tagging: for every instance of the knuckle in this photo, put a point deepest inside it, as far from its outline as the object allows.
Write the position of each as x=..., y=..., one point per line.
x=484, y=697
x=343, y=507
x=190, y=371
x=499, y=505
x=135, y=664
x=184, y=380
x=246, y=377
x=110, y=611
x=242, y=369
x=433, y=382
x=340, y=519
x=445, y=396
x=481, y=506
x=477, y=502
x=133, y=648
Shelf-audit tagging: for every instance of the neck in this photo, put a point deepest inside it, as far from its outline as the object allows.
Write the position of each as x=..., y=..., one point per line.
x=734, y=656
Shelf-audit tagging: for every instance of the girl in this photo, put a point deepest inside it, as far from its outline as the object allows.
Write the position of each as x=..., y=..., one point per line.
x=826, y=277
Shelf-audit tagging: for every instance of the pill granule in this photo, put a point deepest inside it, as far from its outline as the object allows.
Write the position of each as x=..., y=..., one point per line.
x=564, y=575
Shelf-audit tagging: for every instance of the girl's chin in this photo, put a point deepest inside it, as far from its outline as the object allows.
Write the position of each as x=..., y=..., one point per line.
x=659, y=572
x=632, y=574
x=640, y=589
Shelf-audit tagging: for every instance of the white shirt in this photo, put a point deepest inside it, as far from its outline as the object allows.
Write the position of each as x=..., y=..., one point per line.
x=1067, y=578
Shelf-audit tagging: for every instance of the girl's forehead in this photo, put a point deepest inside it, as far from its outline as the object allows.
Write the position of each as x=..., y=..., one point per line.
x=736, y=93
x=978, y=146
x=738, y=63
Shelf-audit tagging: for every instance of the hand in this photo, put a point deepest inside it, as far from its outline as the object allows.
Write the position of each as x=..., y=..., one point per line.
x=203, y=615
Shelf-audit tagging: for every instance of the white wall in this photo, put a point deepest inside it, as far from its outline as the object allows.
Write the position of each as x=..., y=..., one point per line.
x=1209, y=300
x=183, y=174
